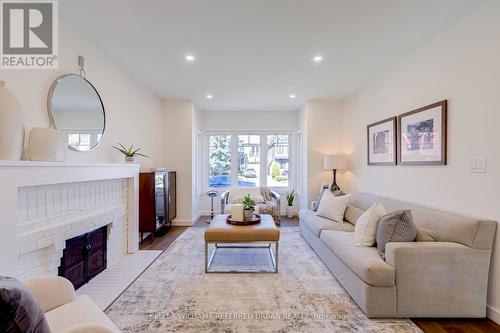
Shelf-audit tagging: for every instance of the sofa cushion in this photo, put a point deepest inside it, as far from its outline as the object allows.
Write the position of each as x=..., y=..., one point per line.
x=425, y=235
x=19, y=309
x=317, y=223
x=397, y=226
x=365, y=262
x=352, y=214
x=81, y=311
x=448, y=227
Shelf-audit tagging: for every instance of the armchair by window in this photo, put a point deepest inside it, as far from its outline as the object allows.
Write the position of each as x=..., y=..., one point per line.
x=271, y=201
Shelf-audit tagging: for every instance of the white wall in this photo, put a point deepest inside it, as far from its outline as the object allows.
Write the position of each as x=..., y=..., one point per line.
x=133, y=113
x=461, y=65
x=256, y=120
x=178, y=152
x=323, y=122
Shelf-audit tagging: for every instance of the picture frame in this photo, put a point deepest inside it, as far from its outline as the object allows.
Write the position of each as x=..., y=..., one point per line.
x=422, y=135
x=381, y=142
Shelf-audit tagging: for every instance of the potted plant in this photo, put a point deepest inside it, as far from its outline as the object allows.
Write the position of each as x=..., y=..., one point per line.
x=290, y=210
x=129, y=153
x=248, y=208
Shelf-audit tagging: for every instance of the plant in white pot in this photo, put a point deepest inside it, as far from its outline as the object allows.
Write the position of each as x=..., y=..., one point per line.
x=129, y=153
x=290, y=210
x=248, y=208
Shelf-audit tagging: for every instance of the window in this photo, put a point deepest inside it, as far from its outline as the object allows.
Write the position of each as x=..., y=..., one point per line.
x=277, y=168
x=249, y=160
x=219, y=160
x=83, y=141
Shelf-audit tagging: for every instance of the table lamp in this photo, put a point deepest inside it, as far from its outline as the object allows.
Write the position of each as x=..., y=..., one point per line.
x=334, y=162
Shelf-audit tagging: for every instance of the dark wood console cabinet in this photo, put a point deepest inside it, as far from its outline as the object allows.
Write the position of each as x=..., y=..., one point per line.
x=157, y=202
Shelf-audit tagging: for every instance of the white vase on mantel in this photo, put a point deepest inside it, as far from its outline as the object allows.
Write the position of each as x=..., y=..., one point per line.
x=11, y=126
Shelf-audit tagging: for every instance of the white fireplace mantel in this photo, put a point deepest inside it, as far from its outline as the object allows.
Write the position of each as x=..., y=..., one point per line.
x=16, y=174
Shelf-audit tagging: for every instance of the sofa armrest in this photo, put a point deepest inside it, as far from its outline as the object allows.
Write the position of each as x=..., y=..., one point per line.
x=89, y=328
x=51, y=291
x=439, y=278
x=223, y=200
x=276, y=197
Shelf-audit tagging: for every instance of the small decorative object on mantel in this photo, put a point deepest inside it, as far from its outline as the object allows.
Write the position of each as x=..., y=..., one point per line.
x=248, y=208
x=290, y=210
x=334, y=162
x=11, y=126
x=129, y=153
x=381, y=139
x=422, y=135
x=47, y=145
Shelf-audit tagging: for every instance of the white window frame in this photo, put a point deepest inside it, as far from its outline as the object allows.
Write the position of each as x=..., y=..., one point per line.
x=263, y=158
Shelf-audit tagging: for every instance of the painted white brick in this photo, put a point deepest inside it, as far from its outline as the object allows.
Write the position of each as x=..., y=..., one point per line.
x=49, y=215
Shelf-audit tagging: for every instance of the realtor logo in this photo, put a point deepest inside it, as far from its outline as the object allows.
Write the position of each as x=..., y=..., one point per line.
x=29, y=34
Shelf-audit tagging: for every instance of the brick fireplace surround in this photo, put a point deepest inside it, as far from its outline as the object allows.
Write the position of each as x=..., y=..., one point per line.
x=43, y=204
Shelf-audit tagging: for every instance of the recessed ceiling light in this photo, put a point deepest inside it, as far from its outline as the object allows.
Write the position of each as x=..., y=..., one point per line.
x=209, y=96
x=190, y=58
x=292, y=96
x=318, y=58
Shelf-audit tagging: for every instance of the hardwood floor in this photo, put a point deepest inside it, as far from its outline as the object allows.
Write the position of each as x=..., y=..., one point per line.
x=427, y=325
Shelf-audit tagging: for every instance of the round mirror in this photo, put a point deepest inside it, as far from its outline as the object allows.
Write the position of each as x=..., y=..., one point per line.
x=76, y=109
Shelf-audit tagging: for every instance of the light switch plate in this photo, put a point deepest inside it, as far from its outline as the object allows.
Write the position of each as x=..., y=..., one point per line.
x=478, y=165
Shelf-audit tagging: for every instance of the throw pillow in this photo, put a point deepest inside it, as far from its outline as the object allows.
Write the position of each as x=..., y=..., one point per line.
x=318, y=198
x=365, y=230
x=19, y=310
x=426, y=235
x=397, y=226
x=332, y=207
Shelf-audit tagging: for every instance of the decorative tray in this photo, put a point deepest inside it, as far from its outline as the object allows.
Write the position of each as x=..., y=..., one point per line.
x=255, y=220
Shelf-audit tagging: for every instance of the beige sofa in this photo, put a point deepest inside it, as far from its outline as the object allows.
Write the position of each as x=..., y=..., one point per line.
x=64, y=311
x=443, y=278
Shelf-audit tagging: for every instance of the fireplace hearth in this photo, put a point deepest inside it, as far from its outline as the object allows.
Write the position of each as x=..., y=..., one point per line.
x=84, y=257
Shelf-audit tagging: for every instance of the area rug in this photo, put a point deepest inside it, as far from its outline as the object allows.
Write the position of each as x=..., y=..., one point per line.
x=175, y=294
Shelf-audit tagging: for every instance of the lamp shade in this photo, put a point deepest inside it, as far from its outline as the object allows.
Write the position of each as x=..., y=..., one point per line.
x=338, y=162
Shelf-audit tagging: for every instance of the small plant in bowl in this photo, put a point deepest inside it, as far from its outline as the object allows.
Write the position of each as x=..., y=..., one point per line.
x=248, y=207
x=290, y=210
x=129, y=153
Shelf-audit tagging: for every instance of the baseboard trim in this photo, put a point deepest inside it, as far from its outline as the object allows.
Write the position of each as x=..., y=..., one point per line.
x=182, y=223
x=493, y=314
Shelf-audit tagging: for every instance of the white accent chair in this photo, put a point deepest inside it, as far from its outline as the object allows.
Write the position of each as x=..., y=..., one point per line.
x=64, y=311
x=263, y=208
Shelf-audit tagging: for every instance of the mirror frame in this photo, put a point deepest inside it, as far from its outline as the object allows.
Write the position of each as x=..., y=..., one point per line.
x=51, y=115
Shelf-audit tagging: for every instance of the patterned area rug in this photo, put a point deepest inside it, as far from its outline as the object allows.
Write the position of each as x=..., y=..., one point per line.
x=175, y=294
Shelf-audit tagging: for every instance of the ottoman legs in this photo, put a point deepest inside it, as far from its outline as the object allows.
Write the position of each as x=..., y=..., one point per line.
x=274, y=256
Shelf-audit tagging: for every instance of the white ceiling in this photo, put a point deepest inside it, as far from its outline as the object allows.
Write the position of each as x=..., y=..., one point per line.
x=252, y=54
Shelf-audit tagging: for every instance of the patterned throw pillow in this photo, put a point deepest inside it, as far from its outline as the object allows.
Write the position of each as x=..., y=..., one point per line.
x=19, y=310
x=397, y=226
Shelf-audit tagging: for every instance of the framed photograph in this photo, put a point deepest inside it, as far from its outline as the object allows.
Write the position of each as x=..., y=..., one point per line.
x=381, y=138
x=422, y=135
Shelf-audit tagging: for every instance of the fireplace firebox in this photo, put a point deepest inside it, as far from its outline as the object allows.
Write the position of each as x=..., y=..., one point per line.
x=84, y=257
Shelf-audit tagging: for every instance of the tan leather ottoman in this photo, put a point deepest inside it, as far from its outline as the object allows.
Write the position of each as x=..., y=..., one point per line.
x=265, y=233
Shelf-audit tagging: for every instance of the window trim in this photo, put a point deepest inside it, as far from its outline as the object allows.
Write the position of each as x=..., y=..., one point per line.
x=263, y=158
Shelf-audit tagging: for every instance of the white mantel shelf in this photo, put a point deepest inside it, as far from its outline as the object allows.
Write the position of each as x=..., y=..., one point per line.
x=16, y=174
x=7, y=164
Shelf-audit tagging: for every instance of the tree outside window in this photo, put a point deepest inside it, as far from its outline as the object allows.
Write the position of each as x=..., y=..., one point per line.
x=219, y=160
